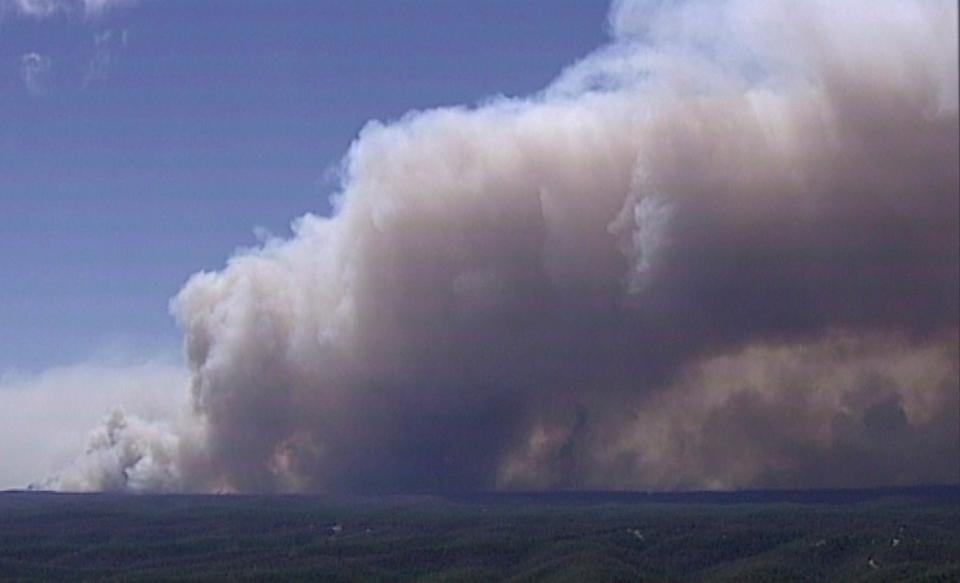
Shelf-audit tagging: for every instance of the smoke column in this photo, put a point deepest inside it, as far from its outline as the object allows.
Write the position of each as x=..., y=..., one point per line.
x=720, y=252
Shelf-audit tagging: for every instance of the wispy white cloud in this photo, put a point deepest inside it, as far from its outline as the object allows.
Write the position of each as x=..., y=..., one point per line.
x=36, y=8
x=35, y=72
x=48, y=8
x=100, y=6
x=107, y=45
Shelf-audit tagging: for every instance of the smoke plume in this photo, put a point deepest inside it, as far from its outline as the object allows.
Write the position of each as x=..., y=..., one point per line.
x=721, y=251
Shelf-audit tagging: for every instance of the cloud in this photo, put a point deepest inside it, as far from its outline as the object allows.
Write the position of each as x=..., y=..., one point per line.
x=50, y=8
x=34, y=8
x=722, y=251
x=100, y=6
x=107, y=45
x=35, y=72
x=45, y=418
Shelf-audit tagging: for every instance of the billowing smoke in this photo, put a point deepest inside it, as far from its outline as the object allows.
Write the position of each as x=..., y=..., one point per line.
x=720, y=252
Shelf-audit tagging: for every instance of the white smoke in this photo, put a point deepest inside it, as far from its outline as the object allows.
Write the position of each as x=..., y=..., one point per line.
x=632, y=279
x=45, y=418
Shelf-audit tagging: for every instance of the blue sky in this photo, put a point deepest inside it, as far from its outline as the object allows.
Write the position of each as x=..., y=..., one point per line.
x=143, y=143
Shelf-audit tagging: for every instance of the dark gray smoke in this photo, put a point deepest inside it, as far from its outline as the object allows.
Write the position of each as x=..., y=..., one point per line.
x=720, y=252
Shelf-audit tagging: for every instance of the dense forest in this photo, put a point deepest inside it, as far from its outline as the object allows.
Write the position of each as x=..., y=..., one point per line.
x=886, y=535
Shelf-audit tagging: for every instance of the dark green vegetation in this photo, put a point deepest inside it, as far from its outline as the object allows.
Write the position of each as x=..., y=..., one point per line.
x=821, y=536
